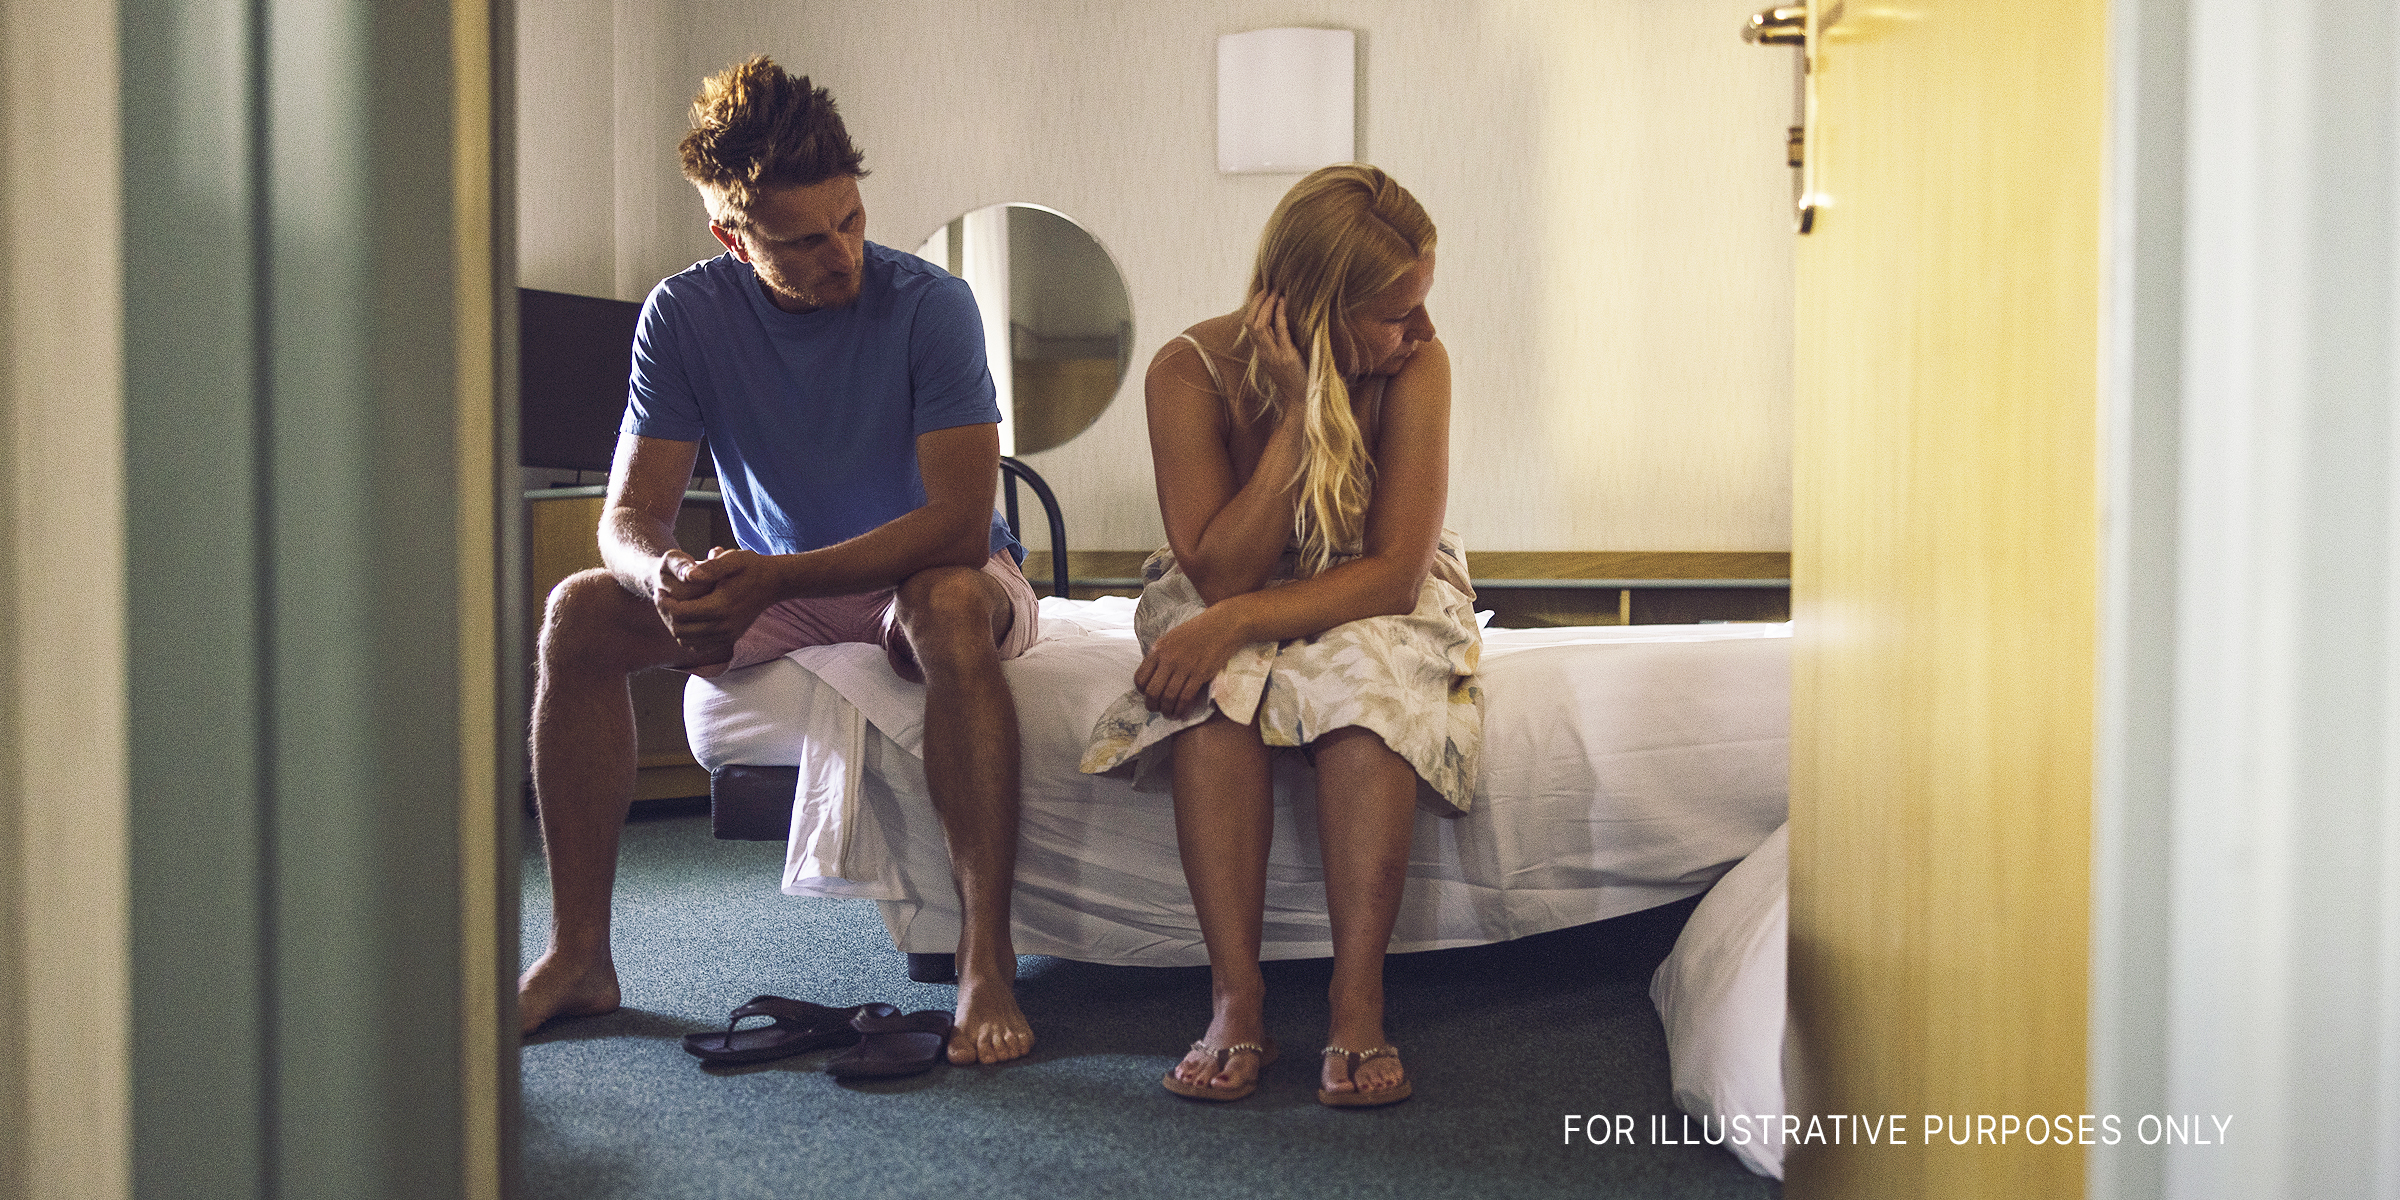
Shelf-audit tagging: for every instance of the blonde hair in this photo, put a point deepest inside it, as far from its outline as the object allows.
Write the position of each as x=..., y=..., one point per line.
x=1340, y=238
x=755, y=126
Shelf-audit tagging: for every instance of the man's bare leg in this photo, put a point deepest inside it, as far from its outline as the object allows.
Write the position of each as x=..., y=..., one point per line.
x=953, y=618
x=595, y=635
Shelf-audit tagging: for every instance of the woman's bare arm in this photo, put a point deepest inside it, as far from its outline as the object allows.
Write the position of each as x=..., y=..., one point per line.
x=1403, y=531
x=1227, y=533
x=1404, y=517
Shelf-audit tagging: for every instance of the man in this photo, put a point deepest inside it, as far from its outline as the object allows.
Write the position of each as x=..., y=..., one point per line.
x=843, y=391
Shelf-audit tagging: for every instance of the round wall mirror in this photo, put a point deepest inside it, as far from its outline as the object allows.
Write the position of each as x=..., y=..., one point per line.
x=1057, y=324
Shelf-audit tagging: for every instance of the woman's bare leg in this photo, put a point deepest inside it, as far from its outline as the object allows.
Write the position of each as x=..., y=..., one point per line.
x=1224, y=824
x=1366, y=810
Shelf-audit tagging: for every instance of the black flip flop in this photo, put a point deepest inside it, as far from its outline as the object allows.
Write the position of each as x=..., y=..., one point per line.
x=893, y=1045
x=799, y=1027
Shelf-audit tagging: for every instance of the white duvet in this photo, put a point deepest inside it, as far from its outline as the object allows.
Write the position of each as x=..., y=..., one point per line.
x=1623, y=767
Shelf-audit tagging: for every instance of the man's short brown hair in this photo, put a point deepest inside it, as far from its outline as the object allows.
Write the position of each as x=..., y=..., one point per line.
x=756, y=126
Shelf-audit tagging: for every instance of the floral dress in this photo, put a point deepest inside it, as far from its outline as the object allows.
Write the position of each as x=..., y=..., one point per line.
x=1409, y=678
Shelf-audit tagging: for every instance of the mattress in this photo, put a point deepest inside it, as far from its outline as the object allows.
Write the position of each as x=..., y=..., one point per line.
x=1623, y=767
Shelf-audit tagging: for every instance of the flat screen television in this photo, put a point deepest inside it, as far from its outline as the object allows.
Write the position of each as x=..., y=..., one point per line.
x=574, y=355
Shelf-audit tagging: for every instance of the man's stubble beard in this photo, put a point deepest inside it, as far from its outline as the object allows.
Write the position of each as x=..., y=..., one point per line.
x=813, y=300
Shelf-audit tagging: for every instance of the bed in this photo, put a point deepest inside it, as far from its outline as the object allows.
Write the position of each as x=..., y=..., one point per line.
x=1624, y=767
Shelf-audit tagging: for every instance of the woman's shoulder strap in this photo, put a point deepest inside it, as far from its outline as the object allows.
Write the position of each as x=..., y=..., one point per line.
x=1207, y=360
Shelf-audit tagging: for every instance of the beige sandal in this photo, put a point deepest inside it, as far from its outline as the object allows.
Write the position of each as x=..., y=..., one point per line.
x=1223, y=1054
x=1359, y=1099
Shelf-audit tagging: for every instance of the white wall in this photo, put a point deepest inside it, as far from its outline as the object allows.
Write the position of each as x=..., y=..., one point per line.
x=2246, y=898
x=1615, y=282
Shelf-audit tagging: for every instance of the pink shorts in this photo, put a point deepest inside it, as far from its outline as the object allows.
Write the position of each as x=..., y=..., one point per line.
x=867, y=617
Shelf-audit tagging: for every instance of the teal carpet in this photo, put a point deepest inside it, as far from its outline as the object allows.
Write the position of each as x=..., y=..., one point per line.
x=1501, y=1041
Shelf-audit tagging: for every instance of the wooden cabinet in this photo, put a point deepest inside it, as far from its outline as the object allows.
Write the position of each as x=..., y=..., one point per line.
x=561, y=538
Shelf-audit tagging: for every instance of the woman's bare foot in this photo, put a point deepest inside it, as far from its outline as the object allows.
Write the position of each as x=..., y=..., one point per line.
x=987, y=1026
x=1378, y=1074
x=557, y=986
x=1381, y=1073
x=1236, y=1023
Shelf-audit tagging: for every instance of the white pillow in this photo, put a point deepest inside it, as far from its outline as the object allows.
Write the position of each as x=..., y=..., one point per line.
x=1720, y=994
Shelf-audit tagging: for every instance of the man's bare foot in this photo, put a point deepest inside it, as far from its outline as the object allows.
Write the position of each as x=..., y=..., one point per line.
x=1199, y=1067
x=988, y=1027
x=556, y=987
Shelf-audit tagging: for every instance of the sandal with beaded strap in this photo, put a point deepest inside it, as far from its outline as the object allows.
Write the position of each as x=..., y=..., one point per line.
x=1223, y=1054
x=1359, y=1099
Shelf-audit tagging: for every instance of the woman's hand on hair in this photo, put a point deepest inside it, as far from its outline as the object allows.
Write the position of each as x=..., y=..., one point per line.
x=1175, y=675
x=1271, y=331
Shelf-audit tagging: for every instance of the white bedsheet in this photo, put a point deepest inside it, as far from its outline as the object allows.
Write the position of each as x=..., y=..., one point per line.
x=1623, y=767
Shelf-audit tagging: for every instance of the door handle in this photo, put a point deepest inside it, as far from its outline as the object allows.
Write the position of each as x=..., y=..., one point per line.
x=1787, y=25
x=1783, y=25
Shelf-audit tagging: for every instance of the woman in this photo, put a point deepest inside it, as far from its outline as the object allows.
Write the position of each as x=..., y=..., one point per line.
x=1308, y=596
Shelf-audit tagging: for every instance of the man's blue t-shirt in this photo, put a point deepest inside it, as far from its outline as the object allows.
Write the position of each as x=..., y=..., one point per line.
x=812, y=417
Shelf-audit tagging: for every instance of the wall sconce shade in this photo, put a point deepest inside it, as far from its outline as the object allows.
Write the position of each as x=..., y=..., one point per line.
x=1285, y=100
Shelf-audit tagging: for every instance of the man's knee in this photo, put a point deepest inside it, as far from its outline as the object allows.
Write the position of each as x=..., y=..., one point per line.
x=951, y=601
x=951, y=615
x=588, y=616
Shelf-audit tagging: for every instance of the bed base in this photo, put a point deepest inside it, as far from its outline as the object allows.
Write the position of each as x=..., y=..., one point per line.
x=751, y=804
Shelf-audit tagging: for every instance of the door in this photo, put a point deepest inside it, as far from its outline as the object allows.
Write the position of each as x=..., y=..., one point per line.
x=1945, y=553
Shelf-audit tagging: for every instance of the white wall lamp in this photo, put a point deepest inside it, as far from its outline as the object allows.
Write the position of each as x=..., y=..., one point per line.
x=1285, y=100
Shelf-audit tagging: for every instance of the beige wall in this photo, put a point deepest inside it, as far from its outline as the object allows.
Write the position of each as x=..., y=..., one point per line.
x=1616, y=271
x=63, y=1066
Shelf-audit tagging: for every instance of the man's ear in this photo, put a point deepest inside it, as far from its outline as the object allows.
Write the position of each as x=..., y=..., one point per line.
x=731, y=240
